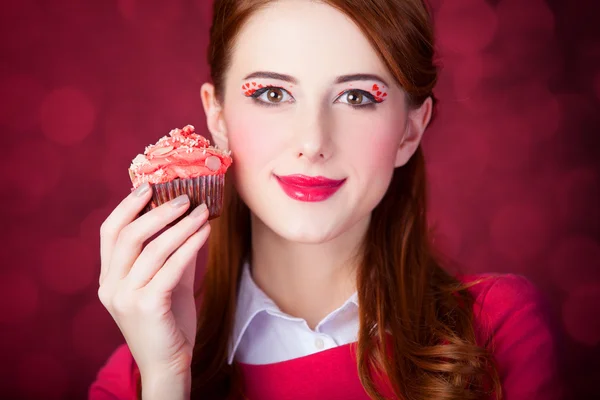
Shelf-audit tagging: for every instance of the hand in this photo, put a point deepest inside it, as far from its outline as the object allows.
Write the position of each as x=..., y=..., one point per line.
x=149, y=290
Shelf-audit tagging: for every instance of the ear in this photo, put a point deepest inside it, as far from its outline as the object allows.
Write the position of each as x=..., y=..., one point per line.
x=417, y=121
x=215, y=120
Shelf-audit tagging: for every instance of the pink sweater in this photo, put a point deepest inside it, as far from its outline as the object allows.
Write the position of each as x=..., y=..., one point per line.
x=508, y=306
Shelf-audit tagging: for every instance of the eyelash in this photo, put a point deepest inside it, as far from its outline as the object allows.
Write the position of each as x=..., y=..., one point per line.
x=368, y=95
x=260, y=92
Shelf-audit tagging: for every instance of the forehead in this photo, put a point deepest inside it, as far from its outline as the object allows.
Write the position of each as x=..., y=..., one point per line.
x=306, y=39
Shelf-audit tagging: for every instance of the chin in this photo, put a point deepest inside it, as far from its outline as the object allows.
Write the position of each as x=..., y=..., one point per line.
x=302, y=222
x=304, y=230
x=306, y=236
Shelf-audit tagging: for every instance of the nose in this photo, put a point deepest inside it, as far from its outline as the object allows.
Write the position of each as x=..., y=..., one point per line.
x=314, y=136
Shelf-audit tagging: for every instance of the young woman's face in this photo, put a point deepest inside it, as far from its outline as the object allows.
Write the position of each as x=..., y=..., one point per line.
x=314, y=121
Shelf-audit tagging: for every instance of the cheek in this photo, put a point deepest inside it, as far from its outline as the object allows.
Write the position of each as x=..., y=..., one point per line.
x=372, y=144
x=254, y=144
x=384, y=147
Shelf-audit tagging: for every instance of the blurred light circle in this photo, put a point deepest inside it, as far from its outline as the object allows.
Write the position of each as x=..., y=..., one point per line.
x=42, y=376
x=69, y=265
x=94, y=332
x=20, y=297
x=580, y=315
x=23, y=96
x=575, y=262
x=521, y=230
x=67, y=116
x=465, y=26
x=126, y=8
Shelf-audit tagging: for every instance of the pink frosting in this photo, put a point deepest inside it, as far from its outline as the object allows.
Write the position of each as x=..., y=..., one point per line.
x=181, y=154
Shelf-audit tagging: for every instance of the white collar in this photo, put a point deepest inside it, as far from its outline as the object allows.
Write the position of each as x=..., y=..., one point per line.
x=252, y=301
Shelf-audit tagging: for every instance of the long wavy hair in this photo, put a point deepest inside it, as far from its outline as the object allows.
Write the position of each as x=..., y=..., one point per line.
x=416, y=319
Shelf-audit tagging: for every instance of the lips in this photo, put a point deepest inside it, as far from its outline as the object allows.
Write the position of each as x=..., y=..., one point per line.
x=309, y=188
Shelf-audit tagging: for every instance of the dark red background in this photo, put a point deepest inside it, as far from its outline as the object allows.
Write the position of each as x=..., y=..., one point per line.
x=85, y=85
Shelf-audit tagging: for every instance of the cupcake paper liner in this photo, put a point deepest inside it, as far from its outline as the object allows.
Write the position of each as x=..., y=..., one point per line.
x=203, y=189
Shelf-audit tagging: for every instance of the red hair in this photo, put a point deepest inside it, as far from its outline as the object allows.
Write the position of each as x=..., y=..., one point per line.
x=416, y=320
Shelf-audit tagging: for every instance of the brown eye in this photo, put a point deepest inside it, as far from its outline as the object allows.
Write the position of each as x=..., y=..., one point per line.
x=355, y=97
x=274, y=95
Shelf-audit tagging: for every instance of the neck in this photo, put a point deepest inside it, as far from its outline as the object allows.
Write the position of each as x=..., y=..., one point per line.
x=308, y=281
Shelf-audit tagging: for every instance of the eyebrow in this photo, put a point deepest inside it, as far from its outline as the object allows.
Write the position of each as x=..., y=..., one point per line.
x=272, y=75
x=359, y=77
x=338, y=80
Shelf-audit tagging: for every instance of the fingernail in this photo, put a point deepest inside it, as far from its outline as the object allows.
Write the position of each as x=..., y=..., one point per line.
x=180, y=201
x=143, y=188
x=198, y=211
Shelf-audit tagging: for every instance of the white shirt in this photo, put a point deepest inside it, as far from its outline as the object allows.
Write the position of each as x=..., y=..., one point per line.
x=263, y=334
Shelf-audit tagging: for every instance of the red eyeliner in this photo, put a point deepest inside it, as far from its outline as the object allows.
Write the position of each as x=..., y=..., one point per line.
x=378, y=93
x=250, y=88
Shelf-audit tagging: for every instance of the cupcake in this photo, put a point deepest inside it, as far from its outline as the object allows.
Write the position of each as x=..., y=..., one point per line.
x=182, y=162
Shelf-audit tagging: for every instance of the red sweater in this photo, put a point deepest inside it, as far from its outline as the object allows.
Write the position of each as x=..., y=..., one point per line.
x=507, y=306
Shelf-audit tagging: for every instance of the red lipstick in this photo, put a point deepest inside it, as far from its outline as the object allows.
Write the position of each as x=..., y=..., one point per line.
x=309, y=188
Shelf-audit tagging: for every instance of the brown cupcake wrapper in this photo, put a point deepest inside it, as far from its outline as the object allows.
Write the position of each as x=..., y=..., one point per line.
x=203, y=189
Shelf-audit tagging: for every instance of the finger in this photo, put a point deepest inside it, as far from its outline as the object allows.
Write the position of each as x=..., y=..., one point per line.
x=121, y=216
x=169, y=276
x=155, y=254
x=132, y=237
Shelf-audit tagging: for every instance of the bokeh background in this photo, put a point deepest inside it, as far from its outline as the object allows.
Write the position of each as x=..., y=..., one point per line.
x=85, y=85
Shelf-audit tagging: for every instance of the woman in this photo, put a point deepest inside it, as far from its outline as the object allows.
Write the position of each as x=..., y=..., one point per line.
x=320, y=282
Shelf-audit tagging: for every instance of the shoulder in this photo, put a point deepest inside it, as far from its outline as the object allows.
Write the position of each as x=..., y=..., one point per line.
x=500, y=295
x=117, y=378
x=506, y=306
x=511, y=318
